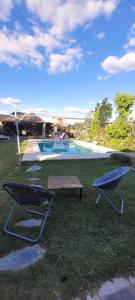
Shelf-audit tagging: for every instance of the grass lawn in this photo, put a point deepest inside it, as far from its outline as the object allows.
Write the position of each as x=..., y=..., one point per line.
x=85, y=244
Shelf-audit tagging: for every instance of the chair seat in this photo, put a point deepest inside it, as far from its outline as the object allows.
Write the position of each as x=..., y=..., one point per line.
x=28, y=195
x=111, y=179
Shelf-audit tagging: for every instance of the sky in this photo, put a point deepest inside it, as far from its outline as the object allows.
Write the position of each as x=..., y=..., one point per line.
x=61, y=57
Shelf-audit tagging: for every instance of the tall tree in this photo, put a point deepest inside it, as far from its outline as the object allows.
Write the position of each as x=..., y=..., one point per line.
x=103, y=113
x=124, y=102
x=105, y=110
x=95, y=125
x=121, y=128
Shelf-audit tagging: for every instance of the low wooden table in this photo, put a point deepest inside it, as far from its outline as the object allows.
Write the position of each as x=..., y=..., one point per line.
x=65, y=182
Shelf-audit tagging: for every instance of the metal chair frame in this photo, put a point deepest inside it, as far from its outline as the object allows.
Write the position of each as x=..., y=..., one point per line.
x=105, y=185
x=44, y=214
x=103, y=193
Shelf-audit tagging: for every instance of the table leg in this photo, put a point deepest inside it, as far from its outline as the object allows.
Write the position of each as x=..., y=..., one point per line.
x=81, y=193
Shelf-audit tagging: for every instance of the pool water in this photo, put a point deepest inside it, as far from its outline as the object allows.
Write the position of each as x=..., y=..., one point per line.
x=65, y=147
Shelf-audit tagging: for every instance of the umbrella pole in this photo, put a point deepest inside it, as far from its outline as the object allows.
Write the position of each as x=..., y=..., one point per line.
x=18, y=143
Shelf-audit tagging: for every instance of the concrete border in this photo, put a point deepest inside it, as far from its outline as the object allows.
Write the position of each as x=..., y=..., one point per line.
x=32, y=152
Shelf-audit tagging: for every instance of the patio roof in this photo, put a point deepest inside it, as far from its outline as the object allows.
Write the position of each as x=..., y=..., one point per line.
x=28, y=118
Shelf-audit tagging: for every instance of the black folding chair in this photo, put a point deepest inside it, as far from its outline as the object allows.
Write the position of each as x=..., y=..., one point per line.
x=109, y=182
x=28, y=195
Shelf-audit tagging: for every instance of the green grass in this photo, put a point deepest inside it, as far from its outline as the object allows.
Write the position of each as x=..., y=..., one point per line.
x=85, y=244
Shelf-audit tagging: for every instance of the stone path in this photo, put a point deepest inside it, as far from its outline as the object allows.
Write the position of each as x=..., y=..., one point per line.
x=34, y=168
x=117, y=289
x=33, y=179
x=20, y=259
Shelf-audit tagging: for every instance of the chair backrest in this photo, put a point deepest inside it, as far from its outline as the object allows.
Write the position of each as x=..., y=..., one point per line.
x=111, y=179
x=63, y=135
x=25, y=194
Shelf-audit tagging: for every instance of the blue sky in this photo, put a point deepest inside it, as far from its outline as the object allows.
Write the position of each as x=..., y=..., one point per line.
x=62, y=56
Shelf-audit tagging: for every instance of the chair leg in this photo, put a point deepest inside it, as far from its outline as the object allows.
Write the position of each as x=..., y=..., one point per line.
x=99, y=198
x=104, y=193
x=21, y=236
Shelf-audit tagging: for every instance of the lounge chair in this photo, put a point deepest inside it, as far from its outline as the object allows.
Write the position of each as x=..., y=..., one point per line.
x=62, y=136
x=109, y=182
x=32, y=196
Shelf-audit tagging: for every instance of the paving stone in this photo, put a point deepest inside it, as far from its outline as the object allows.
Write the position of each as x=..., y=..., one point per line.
x=132, y=290
x=20, y=259
x=131, y=280
x=34, y=168
x=94, y=297
x=123, y=294
x=29, y=223
x=110, y=287
x=36, y=185
x=33, y=179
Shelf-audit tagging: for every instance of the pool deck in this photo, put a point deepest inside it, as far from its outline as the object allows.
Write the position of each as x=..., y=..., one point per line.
x=32, y=152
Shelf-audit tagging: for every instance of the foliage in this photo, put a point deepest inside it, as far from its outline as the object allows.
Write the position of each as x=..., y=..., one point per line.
x=119, y=129
x=105, y=109
x=125, y=144
x=77, y=129
x=103, y=112
x=95, y=125
x=124, y=102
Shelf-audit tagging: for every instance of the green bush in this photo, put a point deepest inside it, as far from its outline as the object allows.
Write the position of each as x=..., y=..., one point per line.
x=119, y=129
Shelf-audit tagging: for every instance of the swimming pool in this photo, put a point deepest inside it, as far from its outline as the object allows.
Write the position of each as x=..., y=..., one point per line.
x=47, y=149
x=62, y=147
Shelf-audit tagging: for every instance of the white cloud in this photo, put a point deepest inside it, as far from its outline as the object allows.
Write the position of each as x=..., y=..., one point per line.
x=17, y=47
x=100, y=35
x=5, y=9
x=131, y=40
x=131, y=43
x=76, y=110
x=10, y=100
x=59, y=17
x=66, y=15
x=61, y=63
x=115, y=64
x=126, y=62
x=4, y=112
x=41, y=111
x=44, y=9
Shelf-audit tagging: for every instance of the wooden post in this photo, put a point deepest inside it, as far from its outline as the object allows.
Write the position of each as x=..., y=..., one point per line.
x=44, y=129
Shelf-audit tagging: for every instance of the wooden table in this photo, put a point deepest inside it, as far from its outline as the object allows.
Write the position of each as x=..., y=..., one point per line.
x=65, y=182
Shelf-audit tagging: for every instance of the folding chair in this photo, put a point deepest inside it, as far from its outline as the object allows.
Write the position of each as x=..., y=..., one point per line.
x=28, y=195
x=109, y=182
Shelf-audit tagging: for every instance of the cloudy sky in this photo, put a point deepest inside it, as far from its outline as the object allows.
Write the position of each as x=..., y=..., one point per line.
x=62, y=56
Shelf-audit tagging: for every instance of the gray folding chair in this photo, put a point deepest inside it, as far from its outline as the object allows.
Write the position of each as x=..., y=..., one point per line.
x=32, y=196
x=109, y=182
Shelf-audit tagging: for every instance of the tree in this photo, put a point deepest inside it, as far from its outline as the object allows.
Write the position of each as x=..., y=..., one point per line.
x=105, y=109
x=120, y=128
x=78, y=128
x=103, y=113
x=95, y=125
x=124, y=102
